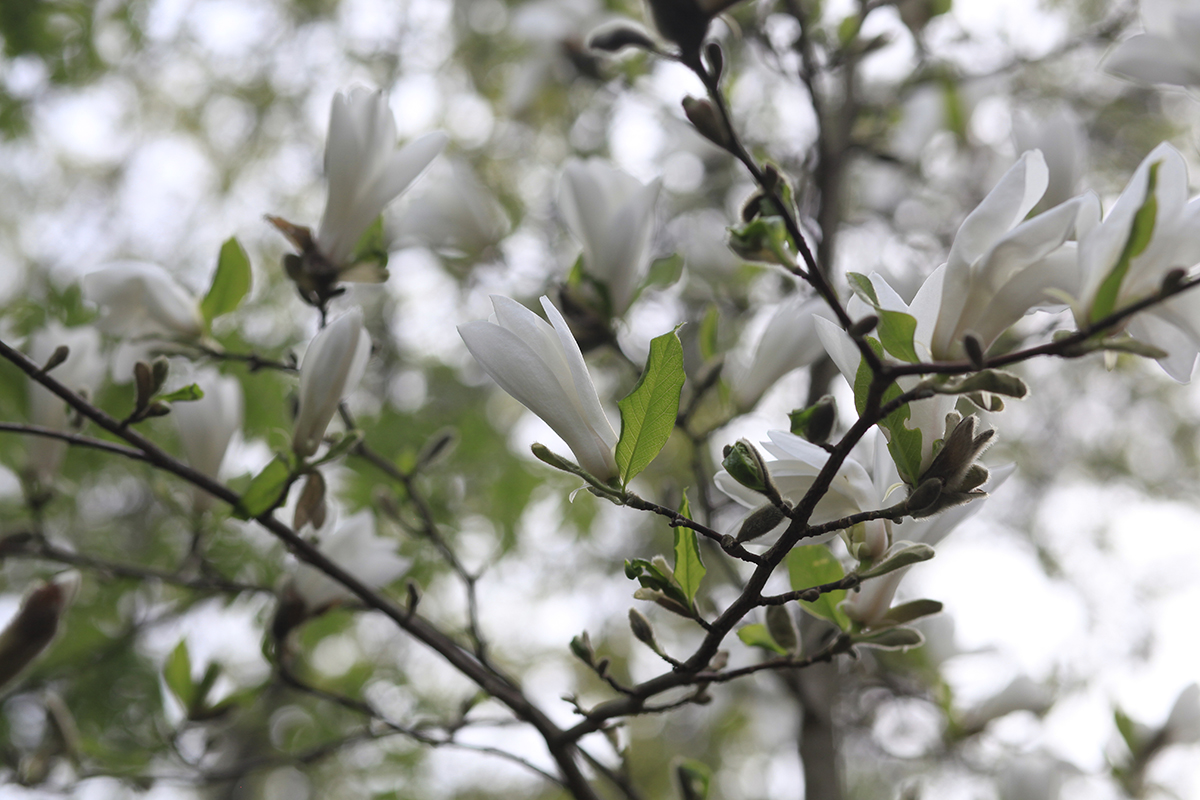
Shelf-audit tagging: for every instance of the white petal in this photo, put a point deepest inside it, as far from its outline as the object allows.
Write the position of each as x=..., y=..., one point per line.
x=332, y=368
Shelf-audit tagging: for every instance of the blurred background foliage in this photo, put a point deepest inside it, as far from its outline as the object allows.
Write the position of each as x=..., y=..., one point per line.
x=154, y=130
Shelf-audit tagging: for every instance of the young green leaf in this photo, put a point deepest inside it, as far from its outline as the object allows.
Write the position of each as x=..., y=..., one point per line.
x=890, y=639
x=757, y=635
x=648, y=412
x=230, y=283
x=914, y=609
x=183, y=394
x=708, y=332
x=265, y=490
x=689, y=567
x=177, y=674
x=813, y=565
x=905, y=557
x=694, y=779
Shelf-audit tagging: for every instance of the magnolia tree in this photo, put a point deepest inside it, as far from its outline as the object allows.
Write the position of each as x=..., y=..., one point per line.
x=289, y=535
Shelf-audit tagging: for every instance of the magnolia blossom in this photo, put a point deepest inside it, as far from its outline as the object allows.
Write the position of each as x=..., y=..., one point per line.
x=207, y=425
x=1183, y=724
x=1166, y=52
x=139, y=300
x=355, y=547
x=365, y=171
x=1173, y=326
x=1021, y=694
x=452, y=213
x=868, y=605
x=927, y=416
x=1059, y=134
x=612, y=215
x=796, y=464
x=1001, y=264
x=540, y=365
x=788, y=342
x=81, y=371
x=332, y=368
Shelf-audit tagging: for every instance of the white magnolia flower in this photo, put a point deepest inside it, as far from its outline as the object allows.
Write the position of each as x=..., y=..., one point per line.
x=355, y=547
x=1059, y=134
x=1002, y=265
x=1166, y=52
x=795, y=465
x=540, y=365
x=1033, y=776
x=927, y=416
x=139, y=300
x=365, y=170
x=1173, y=326
x=788, y=342
x=452, y=213
x=1183, y=724
x=612, y=215
x=83, y=369
x=207, y=425
x=1021, y=694
x=332, y=368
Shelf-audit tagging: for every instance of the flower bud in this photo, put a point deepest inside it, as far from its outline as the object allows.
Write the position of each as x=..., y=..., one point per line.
x=332, y=368
x=35, y=625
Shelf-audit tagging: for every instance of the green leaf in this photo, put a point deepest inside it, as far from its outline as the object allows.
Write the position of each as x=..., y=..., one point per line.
x=177, y=674
x=265, y=490
x=230, y=283
x=348, y=441
x=708, y=332
x=813, y=565
x=890, y=639
x=896, y=328
x=904, y=443
x=757, y=635
x=914, y=609
x=664, y=271
x=1139, y=237
x=896, y=331
x=689, y=567
x=694, y=779
x=652, y=578
x=1128, y=730
x=905, y=557
x=183, y=395
x=814, y=423
x=648, y=412
x=993, y=381
x=763, y=239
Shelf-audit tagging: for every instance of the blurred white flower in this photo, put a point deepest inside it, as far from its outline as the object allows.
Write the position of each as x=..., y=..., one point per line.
x=207, y=425
x=452, y=213
x=332, y=368
x=1166, y=52
x=1173, y=326
x=540, y=365
x=355, y=547
x=1183, y=724
x=612, y=215
x=139, y=300
x=788, y=342
x=1033, y=776
x=365, y=170
x=1059, y=134
x=1001, y=264
x=1021, y=694
x=701, y=238
x=82, y=370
